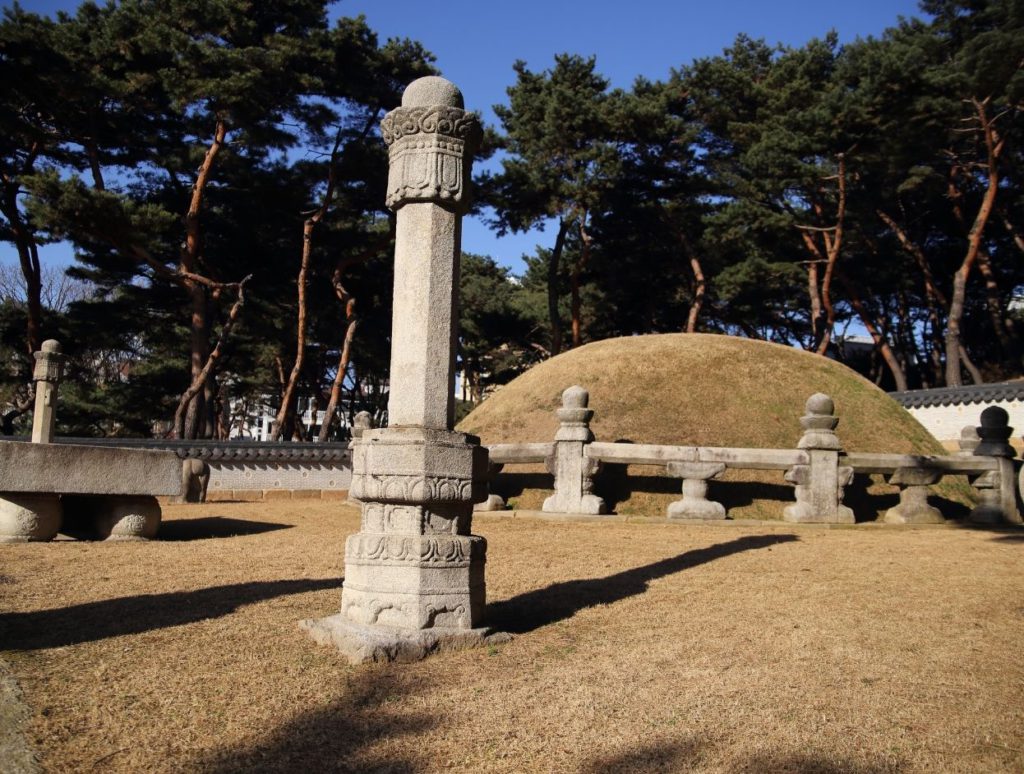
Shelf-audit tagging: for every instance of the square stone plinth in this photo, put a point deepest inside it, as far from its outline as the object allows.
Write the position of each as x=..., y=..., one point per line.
x=360, y=643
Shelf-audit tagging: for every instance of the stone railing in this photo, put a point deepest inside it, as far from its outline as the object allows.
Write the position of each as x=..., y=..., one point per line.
x=818, y=468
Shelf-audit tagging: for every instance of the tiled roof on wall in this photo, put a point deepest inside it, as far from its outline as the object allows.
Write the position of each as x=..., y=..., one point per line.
x=228, y=450
x=961, y=396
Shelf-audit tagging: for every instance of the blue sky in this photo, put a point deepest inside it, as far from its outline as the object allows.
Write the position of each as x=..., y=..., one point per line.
x=476, y=42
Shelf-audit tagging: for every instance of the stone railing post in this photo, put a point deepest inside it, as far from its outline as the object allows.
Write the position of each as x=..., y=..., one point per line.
x=969, y=440
x=195, y=480
x=997, y=491
x=695, y=504
x=361, y=422
x=820, y=484
x=913, y=507
x=494, y=502
x=573, y=470
x=49, y=371
x=414, y=575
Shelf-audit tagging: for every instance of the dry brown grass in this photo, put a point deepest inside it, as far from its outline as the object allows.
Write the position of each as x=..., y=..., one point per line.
x=639, y=647
x=705, y=390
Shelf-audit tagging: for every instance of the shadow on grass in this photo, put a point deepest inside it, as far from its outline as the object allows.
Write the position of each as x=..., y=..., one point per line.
x=668, y=756
x=336, y=738
x=132, y=615
x=559, y=601
x=810, y=764
x=512, y=485
x=214, y=527
x=692, y=754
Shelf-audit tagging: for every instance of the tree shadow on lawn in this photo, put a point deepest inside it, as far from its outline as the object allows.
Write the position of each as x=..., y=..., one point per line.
x=690, y=753
x=333, y=738
x=559, y=601
x=133, y=615
x=679, y=755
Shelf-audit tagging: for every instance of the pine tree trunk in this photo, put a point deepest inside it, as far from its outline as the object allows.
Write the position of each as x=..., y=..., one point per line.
x=28, y=258
x=954, y=343
x=898, y=374
x=577, y=268
x=288, y=395
x=553, y=266
x=339, y=376
x=199, y=346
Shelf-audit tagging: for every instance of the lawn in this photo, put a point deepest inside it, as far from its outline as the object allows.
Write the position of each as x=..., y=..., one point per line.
x=638, y=647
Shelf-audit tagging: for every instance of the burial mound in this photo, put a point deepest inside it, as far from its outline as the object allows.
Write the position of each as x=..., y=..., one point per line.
x=706, y=390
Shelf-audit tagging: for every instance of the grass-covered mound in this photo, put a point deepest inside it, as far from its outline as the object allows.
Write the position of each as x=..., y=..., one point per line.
x=708, y=390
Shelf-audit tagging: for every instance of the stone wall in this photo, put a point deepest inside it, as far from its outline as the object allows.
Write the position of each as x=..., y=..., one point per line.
x=265, y=480
x=256, y=471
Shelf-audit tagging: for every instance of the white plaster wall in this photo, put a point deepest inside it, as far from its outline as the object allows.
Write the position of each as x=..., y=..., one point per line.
x=946, y=422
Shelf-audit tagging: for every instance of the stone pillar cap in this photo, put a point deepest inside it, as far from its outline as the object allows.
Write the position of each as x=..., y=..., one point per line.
x=432, y=90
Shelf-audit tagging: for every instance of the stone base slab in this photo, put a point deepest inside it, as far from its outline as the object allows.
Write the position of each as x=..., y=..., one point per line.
x=695, y=510
x=803, y=513
x=918, y=515
x=360, y=643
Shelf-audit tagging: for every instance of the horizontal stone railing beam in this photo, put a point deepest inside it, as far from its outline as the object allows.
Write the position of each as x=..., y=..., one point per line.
x=519, y=453
x=869, y=462
x=651, y=454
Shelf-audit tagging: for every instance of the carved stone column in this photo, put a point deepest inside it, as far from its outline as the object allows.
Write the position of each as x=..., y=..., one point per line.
x=48, y=373
x=414, y=575
x=820, y=484
x=573, y=470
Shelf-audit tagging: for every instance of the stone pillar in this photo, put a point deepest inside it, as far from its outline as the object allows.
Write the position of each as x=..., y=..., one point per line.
x=820, y=484
x=996, y=489
x=913, y=507
x=47, y=375
x=414, y=575
x=695, y=503
x=573, y=470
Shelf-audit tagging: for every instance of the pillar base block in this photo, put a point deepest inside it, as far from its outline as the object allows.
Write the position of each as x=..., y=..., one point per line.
x=361, y=643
